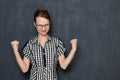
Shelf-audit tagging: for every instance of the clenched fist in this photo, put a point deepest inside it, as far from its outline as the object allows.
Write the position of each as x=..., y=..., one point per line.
x=15, y=45
x=74, y=43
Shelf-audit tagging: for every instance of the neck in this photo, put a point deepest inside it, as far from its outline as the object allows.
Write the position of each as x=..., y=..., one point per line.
x=42, y=37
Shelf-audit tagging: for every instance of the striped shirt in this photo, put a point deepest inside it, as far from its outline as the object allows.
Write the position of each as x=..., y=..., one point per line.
x=43, y=60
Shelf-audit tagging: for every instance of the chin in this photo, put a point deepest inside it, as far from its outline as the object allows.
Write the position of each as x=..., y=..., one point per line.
x=43, y=34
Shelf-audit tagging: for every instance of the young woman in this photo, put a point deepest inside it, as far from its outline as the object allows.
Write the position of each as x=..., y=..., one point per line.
x=43, y=51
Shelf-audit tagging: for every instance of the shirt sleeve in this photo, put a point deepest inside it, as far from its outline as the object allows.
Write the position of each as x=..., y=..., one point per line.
x=27, y=51
x=60, y=48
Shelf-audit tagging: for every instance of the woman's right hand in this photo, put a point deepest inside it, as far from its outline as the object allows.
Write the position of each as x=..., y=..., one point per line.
x=15, y=45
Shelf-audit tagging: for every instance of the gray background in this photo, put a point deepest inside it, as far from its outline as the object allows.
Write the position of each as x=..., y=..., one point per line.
x=95, y=23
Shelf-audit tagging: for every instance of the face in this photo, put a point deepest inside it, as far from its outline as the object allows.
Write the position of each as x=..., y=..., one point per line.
x=42, y=26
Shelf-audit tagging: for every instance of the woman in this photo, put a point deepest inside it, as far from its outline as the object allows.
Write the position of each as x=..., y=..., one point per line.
x=43, y=51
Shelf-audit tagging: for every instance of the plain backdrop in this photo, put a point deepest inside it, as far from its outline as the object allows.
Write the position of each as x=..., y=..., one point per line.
x=95, y=23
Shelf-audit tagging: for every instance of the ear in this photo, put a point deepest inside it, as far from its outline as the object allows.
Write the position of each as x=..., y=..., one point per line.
x=34, y=24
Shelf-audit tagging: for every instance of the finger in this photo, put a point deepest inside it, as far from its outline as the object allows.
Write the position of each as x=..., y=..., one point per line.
x=73, y=40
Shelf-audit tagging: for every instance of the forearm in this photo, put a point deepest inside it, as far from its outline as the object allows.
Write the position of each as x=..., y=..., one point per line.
x=69, y=58
x=20, y=62
x=64, y=62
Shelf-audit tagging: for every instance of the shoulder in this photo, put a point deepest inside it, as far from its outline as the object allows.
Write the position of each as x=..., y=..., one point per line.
x=55, y=39
x=32, y=40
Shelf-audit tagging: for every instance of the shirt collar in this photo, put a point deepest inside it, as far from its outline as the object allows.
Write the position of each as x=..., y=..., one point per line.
x=35, y=40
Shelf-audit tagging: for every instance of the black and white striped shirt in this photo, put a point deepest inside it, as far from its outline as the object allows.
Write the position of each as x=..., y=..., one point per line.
x=43, y=60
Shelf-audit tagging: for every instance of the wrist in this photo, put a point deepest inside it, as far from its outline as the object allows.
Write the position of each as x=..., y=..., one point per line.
x=74, y=49
x=15, y=51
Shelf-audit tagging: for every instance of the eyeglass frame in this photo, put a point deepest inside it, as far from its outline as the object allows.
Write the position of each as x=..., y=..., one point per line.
x=41, y=26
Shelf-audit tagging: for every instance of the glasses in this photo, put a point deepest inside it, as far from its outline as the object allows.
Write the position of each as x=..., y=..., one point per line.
x=43, y=26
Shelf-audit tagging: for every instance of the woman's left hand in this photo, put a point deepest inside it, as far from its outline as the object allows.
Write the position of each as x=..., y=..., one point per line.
x=74, y=43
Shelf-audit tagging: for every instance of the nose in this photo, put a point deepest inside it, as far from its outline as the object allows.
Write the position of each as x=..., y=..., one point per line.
x=43, y=27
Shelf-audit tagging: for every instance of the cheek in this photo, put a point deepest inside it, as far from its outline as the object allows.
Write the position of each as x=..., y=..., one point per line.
x=48, y=29
x=38, y=30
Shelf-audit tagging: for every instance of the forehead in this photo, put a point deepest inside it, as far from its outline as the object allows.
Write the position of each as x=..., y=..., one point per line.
x=41, y=20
